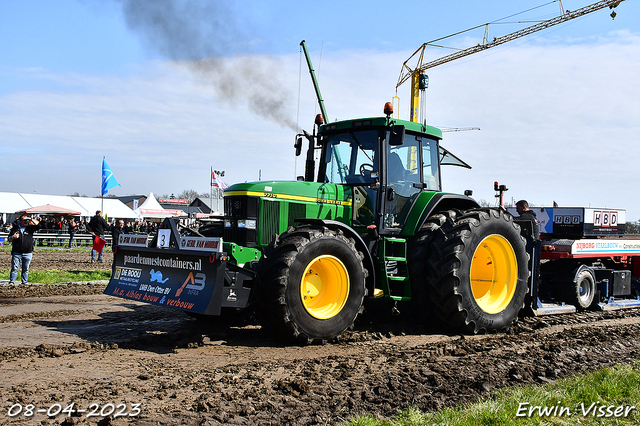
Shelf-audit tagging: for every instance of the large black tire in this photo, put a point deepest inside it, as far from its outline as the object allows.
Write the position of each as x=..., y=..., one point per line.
x=311, y=285
x=470, y=269
x=418, y=261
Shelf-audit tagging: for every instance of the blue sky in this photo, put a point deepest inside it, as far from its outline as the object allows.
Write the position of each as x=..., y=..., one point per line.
x=82, y=79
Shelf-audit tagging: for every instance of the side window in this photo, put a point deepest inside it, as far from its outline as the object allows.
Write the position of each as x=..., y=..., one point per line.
x=403, y=166
x=430, y=164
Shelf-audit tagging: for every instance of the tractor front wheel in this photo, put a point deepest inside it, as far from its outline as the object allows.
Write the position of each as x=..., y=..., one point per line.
x=311, y=285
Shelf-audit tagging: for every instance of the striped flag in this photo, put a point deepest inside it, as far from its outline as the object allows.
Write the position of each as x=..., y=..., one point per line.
x=217, y=182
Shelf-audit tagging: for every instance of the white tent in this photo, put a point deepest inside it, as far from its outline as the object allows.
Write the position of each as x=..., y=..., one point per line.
x=151, y=209
x=112, y=208
x=11, y=202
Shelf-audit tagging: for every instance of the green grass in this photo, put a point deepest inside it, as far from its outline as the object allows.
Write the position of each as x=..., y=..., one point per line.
x=54, y=277
x=615, y=387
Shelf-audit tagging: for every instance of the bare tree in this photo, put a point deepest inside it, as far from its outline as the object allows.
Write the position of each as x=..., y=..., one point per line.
x=188, y=194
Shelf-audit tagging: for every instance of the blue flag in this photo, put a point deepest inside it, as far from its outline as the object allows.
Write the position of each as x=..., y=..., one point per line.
x=108, y=180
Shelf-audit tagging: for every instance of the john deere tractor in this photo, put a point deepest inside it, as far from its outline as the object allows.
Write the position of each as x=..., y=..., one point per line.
x=373, y=222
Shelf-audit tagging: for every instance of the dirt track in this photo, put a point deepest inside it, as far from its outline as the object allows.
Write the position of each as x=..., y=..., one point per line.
x=69, y=344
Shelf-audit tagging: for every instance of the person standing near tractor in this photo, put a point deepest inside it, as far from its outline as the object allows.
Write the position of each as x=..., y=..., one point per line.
x=21, y=237
x=522, y=207
x=97, y=226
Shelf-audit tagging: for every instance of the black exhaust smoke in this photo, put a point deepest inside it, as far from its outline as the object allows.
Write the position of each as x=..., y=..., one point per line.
x=205, y=36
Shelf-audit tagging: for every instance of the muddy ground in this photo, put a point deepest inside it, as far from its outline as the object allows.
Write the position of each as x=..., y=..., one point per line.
x=69, y=344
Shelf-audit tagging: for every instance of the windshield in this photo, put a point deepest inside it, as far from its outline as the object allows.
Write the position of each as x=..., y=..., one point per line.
x=350, y=155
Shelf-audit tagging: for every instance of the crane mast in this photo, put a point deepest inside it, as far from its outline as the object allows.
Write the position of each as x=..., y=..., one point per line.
x=415, y=73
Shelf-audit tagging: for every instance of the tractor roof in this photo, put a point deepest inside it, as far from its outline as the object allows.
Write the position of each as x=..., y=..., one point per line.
x=360, y=123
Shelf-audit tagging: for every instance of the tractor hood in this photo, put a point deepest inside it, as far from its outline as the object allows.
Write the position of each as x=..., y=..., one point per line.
x=298, y=191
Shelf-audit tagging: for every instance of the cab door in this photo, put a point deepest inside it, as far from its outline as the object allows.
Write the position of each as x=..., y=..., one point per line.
x=403, y=180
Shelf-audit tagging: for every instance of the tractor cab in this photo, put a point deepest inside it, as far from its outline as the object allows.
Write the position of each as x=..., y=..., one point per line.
x=388, y=163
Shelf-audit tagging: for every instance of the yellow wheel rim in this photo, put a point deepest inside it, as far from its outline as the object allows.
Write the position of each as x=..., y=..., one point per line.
x=494, y=274
x=324, y=287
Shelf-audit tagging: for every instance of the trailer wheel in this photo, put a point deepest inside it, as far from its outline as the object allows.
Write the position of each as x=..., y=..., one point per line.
x=477, y=270
x=580, y=291
x=311, y=286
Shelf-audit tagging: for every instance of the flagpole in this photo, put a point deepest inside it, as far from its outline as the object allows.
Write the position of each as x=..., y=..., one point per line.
x=211, y=190
x=101, y=194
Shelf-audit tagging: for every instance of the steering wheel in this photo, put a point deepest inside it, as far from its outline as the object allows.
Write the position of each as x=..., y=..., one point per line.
x=364, y=167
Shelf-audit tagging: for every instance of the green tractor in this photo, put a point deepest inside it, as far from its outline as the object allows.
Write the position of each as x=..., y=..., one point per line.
x=374, y=223
x=371, y=223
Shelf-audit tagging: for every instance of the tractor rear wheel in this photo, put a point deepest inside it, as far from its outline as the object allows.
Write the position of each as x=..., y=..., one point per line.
x=311, y=285
x=477, y=270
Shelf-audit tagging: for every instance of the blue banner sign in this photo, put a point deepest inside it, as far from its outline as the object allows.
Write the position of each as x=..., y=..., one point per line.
x=191, y=281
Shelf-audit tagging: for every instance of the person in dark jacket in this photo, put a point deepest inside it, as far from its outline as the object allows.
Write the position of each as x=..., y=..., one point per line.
x=73, y=228
x=116, y=229
x=97, y=226
x=522, y=207
x=21, y=238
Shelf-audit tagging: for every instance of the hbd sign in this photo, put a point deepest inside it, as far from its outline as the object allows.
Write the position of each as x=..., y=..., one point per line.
x=605, y=218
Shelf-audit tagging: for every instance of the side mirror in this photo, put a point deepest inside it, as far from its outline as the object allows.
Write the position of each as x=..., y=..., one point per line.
x=396, y=135
x=298, y=146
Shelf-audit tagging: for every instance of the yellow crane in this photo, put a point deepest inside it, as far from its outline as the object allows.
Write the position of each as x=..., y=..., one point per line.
x=419, y=80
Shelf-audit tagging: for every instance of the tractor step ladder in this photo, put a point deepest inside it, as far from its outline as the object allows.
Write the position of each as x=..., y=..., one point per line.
x=396, y=278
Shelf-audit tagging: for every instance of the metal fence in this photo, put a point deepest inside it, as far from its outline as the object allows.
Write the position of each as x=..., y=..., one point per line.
x=51, y=239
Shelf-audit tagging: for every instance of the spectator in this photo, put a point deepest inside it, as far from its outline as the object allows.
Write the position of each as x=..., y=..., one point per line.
x=116, y=229
x=21, y=238
x=73, y=228
x=97, y=226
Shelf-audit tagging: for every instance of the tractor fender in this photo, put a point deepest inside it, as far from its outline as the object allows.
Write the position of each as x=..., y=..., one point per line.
x=440, y=201
x=360, y=245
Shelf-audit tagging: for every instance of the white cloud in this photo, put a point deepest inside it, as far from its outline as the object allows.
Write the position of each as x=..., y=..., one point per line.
x=559, y=122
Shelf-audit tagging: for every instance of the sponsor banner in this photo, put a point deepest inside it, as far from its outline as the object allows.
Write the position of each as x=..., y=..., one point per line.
x=129, y=277
x=173, y=278
x=172, y=201
x=568, y=221
x=544, y=217
x=605, y=222
x=132, y=240
x=163, y=211
x=609, y=247
x=201, y=243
